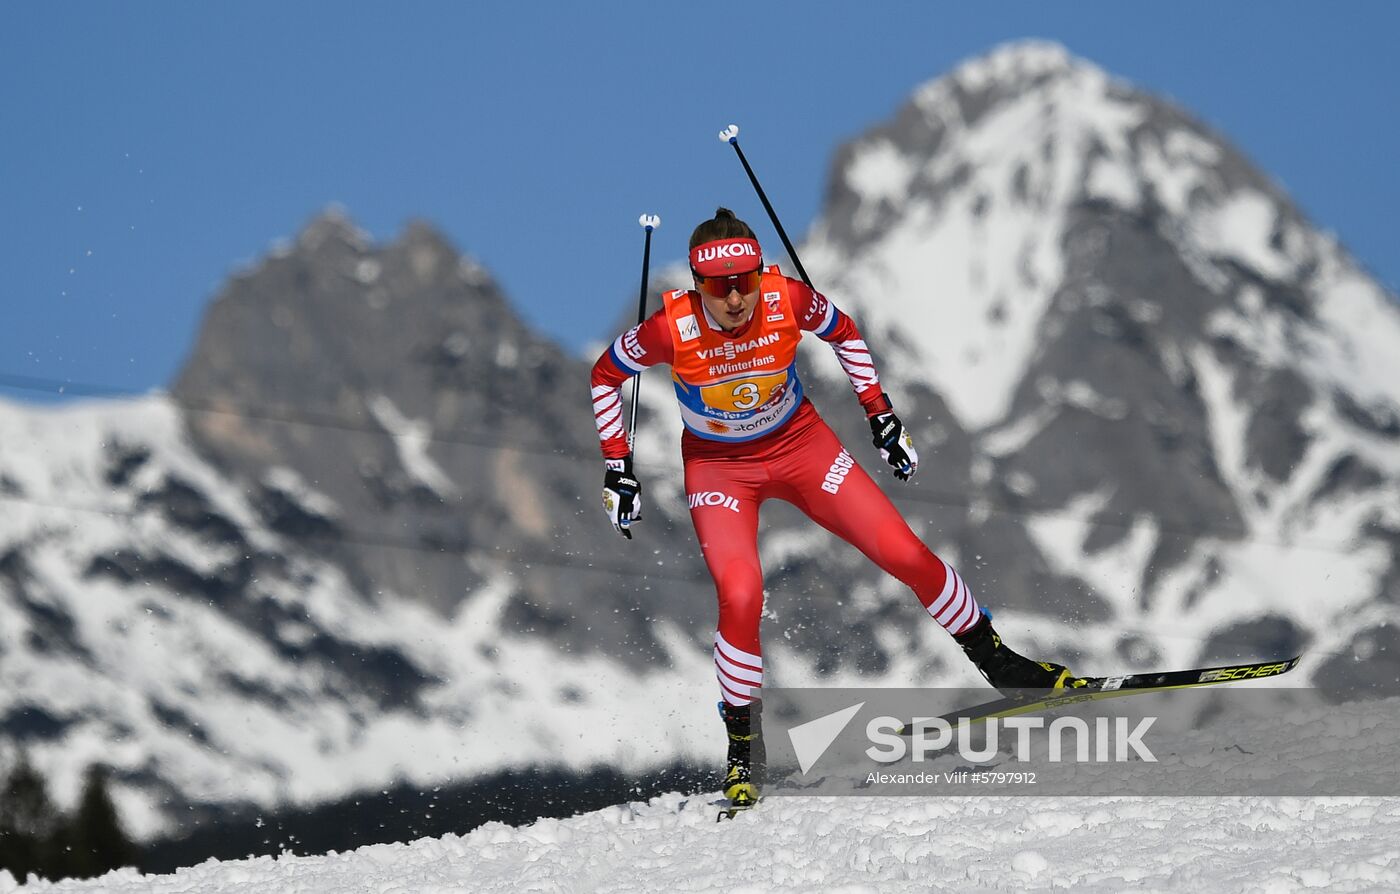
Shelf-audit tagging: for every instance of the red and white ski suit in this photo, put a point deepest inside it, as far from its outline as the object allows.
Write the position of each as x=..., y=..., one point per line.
x=751, y=435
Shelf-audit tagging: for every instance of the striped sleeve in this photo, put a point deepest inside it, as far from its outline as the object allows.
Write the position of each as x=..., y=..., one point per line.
x=631, y=352
x=816, y=313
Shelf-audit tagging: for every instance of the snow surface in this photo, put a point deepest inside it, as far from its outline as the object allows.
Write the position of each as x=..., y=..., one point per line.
x=1240, y=227
x=865, y=844
x=854, y=844
x=412, y=438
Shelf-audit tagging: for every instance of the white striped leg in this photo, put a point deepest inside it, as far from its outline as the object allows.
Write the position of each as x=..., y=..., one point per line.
x=740, y=673
x=956, y=608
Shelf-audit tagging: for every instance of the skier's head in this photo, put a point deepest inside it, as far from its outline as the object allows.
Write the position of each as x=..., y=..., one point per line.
x=727, y=265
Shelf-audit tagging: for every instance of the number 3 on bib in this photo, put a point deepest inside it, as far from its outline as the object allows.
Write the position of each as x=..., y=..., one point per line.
x=744, y=394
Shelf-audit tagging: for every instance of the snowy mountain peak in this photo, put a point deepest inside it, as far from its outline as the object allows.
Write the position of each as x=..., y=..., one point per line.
x=332, y=226
x=1011, y=67
x=1160, y=369
x=965, y=211
x=1018, y=60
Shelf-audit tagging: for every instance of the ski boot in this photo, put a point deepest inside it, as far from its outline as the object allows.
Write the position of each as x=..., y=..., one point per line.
x=1008, y=671
x=747, y=756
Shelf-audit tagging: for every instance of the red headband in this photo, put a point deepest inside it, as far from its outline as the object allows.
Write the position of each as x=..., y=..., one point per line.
x=726, y=257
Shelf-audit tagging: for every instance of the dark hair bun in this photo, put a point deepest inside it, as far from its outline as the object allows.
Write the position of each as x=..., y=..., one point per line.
x=724, y=225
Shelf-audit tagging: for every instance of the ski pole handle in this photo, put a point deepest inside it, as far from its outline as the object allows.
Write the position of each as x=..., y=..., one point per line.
x=730, y=135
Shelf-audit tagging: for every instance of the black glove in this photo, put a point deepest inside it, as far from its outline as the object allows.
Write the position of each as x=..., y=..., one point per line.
x=896, y=447
x=622, y=495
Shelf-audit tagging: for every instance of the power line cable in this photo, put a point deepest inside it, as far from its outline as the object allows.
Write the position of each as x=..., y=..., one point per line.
x=492, y=441
x=353, y=538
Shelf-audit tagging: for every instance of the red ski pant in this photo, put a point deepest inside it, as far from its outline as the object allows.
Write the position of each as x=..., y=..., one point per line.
x=807, y=466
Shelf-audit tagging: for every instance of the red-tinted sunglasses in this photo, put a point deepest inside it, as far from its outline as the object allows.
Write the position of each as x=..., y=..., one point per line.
x=721, y=286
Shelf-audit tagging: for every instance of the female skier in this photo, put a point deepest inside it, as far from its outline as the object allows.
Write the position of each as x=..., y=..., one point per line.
x=751, y=435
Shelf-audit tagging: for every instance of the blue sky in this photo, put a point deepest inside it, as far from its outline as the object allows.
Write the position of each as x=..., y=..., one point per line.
x=147, y=150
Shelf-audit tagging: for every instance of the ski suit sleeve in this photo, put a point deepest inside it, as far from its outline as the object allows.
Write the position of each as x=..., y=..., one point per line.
x=636, y=349
x=816, y=313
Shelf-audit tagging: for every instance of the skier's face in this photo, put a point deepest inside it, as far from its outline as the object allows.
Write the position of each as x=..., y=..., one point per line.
x=733, y=310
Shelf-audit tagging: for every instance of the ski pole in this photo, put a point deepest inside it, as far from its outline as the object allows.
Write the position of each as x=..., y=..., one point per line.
x=649, y=222
x=730, y=135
